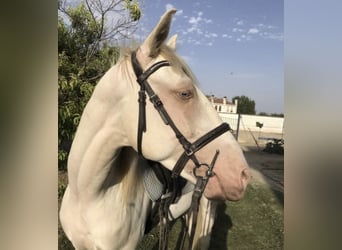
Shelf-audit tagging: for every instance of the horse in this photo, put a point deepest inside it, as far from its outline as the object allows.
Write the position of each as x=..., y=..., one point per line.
x=105, y=205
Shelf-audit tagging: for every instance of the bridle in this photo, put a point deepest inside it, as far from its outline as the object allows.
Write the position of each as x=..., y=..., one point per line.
x=190, y=149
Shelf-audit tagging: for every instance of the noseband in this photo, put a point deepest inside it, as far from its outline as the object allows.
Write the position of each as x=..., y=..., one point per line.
x=189, y=149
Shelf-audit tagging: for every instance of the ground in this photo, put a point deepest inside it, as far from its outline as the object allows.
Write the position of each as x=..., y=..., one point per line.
x=266, y=168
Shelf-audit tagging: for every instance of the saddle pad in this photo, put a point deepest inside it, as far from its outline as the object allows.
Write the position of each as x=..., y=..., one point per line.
x=154, y=188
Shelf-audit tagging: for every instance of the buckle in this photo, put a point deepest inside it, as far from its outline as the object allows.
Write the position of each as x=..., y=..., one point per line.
x=209, y=172
x=156, y=101
x=142, y=96
x=189, y=152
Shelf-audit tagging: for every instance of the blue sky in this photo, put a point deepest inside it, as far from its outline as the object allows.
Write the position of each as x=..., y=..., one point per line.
x=234, y=47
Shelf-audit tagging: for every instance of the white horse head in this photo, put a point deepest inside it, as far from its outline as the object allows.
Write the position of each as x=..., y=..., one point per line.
x=191, y=112
x=105, y=205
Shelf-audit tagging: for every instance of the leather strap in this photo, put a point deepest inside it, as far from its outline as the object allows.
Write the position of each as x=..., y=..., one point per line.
x=141, y=79
x=197, y=145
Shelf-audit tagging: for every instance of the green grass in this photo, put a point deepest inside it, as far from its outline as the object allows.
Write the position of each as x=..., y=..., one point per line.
x=254, y=223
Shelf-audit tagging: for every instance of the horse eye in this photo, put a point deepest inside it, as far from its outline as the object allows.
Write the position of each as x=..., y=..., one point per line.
x=185, y=95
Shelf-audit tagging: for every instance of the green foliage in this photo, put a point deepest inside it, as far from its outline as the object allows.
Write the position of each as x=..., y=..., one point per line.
x=263, y=114
x=61, y=190
x=134, y=9
x=79, y=49
x=277, y=115
x=245, y=105
x=84, y=55
x=73, y=95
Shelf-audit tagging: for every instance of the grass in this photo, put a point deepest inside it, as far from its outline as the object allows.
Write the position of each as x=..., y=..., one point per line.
x=255, y=223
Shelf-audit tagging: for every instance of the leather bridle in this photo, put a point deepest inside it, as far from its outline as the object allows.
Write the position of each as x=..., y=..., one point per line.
x=189, y=149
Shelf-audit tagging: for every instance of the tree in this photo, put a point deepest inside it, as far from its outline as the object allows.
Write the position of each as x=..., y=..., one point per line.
x=277, y=115
x=85, y=53
x=92, y=26
x=263, y=114
x=272, y=114
x=245, y=105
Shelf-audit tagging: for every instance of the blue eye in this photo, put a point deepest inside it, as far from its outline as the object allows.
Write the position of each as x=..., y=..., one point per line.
x=185, y=95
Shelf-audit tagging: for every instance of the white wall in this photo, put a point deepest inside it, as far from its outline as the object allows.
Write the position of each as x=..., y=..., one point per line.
x=271, y=124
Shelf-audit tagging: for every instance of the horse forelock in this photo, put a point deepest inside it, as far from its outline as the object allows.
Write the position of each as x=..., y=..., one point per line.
x=176, y=62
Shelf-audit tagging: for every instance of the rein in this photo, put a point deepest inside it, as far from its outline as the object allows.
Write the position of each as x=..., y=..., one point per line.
x=170, y=194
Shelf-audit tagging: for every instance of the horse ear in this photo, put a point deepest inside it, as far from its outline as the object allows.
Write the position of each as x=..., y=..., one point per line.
x=172, y=42
x=151, y=46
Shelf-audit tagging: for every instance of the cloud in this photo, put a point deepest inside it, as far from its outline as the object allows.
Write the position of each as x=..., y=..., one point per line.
x=253, y=31
x=196, y=28
x=240, y=22
x=196, y=4
x=197, y=23
x=272, y=36
x=276, y=36
x=210, y=35
x=179, y=12
x=266, y=31
x=195, y=20
x=169, y=6
x=237, y=30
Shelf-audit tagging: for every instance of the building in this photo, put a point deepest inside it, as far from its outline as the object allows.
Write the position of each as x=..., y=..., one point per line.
x=222, y=105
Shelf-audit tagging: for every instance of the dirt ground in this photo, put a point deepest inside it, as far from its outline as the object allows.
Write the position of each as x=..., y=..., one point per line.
x=265, y=167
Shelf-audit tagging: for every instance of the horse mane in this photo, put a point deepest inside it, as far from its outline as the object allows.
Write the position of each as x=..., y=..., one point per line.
x=131, y=184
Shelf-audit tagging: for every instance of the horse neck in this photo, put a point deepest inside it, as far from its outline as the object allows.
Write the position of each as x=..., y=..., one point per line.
x=99, y=137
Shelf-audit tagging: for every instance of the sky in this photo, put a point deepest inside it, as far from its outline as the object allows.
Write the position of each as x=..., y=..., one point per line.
x=234, y=47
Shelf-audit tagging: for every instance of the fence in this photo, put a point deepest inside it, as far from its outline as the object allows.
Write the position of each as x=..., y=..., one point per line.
x=274, y=125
